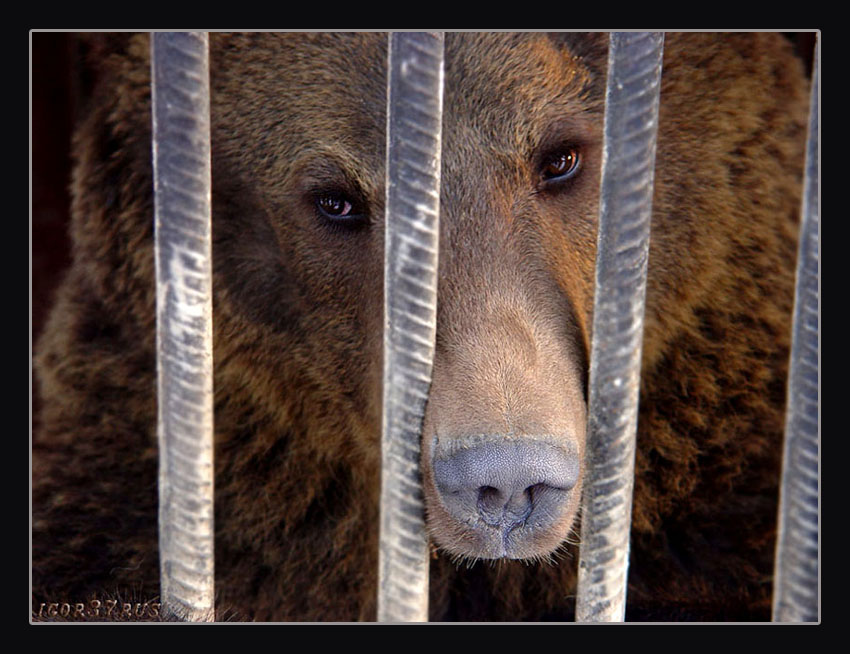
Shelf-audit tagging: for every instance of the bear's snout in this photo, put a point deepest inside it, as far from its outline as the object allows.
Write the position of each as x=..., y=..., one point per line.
x=503, y=435
x=498, y=486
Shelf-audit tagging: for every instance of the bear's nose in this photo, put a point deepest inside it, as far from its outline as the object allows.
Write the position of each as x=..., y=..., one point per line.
x=504, y=483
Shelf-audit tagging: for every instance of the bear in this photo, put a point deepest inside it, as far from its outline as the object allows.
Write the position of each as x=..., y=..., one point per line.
x=298, y=147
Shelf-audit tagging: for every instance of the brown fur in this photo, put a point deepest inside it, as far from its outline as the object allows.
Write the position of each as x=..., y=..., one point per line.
x=298, y=321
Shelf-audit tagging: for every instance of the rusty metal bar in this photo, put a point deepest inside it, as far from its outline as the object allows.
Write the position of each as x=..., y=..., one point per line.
x=181, y=160
x=631, y=120
x=796, y=595
x=414, y=130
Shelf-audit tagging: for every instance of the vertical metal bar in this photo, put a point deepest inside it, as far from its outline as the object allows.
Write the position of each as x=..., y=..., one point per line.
x=631, y=119
x=181, y=158
x=797, y=584
x=414, y=129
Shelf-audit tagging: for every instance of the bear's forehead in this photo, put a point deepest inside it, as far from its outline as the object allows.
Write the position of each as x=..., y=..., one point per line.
x=284, y=94
x=489, y=74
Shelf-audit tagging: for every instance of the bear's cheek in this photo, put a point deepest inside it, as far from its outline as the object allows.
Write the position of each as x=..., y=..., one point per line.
x=309, y=296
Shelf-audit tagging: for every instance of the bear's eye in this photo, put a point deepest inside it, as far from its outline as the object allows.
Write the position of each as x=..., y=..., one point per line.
x=334, y=206
x=337, y=207
x=560, y=166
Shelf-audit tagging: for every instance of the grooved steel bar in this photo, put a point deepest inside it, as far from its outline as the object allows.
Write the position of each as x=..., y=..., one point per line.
x=181, y=164
x=631, y=120
x=797, y=584
x=414, y=129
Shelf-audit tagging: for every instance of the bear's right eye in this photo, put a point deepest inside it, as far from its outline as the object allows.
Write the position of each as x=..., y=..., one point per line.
x=334, y=206
x=337, y=207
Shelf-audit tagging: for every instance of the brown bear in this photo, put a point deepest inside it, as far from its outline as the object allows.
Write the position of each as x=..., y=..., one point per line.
x=298, y=146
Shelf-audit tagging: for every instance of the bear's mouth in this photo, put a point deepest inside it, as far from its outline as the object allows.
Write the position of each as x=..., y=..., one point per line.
x=495, y=497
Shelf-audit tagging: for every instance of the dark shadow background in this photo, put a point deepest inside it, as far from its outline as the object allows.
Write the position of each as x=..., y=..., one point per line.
x=53, y=111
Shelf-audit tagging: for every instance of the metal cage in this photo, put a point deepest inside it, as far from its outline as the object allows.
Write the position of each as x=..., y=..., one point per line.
x=181, y=159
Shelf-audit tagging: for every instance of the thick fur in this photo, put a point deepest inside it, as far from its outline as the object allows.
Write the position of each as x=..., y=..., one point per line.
x=298, y=306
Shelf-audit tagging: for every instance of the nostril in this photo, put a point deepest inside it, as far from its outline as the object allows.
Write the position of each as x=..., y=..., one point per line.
x=534, y=491
x=490, y=498
x=490, y=505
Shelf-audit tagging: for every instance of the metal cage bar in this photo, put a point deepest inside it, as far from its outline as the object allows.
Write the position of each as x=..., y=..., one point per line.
x=631, y=120
x=414, y=130
x=797, y=584
x=181, y=162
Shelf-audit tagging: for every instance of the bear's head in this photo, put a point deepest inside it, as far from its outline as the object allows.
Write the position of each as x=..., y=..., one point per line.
x=298, y=148
x=298, y=170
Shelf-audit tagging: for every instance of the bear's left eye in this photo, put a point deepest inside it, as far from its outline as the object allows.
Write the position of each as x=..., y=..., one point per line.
x=561, y=166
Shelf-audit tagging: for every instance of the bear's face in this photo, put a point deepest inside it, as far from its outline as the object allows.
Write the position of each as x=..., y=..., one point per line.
x=299, y=203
